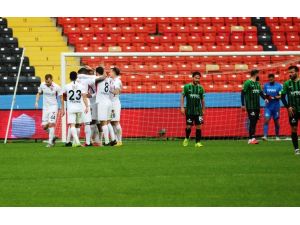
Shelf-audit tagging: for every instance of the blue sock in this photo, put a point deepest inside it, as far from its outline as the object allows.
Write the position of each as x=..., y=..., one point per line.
x=266, y=128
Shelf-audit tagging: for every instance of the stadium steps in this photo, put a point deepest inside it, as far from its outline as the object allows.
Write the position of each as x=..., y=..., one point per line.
x=44, y=43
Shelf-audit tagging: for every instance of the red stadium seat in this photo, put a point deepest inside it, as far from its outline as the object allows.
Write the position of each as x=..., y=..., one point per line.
x=292, y=39
x=222, y=40
x=182, y=30
x=155, y=68
x=229, y=48
x=122, y=39
x=163, y=20
x=150, y=20
x=128, y=30
x=96, y=21
x=190, y=21
x=223, y=31
x=199, y=48
x=237, y=39
x=231, y=21
x=169, y=88
x=272, y=21
x=291, y=30
x=142, y=30
x=82, y=21
x=67, y=20
x=136, y=20
x=138, y=39
x=123, y=21
x=85, y=49
x=250, y=40
x=256, y=48
x=180, y=39
x=214, y=48
x=171, y=48
x=198, y=67
x=250, y=30
x=217, y=21
x=81, y=41
x=250, y=59
x=169, y=68
x=204, y=21
x=152, y=39
x=208, y=40
x=196, y=30
x=209, y=30
x=100, y=48
x=184, y=68
x=112, y=21
x=143, y=48
x=220, y=79
x=279, y=40
x=95, y=40
x=277, y=30
x=227, y=68
x=129, y=49
x=168, y=29
x=244, y=21
x=177, y=21
x=166, y=39
x=157, y=48
x=193, y=39
x=101, y=31
x=142, y=68
x=242, y=48
x=286, y=21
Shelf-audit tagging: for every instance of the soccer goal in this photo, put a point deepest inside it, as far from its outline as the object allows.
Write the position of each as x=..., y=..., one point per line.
x=153, y=82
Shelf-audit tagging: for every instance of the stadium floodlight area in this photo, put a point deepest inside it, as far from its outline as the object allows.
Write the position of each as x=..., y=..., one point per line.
x=154, y=111
x=151, y=98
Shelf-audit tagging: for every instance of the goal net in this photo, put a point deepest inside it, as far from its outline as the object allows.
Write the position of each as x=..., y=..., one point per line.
x=153, y=82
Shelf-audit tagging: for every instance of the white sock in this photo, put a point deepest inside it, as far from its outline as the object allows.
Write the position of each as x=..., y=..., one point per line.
x=78, y=132
x=69, y=135
x=101, y=137
x=74, y=134
x=115, y=130
x=106, y=134
x=111, y=132
x=51, y=135
x=118, y=131
x=95, y=133
x=87, y=130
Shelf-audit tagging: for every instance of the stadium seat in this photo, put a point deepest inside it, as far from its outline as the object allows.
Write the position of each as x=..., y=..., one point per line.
x=286, y=21
x=244, y=21
x=292, y=39
x=177, y=21
x=204, y=21
x=272, y=21
x=192, y=21
x=6, y=32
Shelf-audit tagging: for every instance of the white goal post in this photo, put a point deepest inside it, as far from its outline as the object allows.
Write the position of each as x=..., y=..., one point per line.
x=65, y=55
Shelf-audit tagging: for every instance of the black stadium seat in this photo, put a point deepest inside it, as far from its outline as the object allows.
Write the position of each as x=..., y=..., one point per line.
x=17, y=52
x=6, y=32
x=3, y=22
x=13, y=71
x=9, y=90
x=5, y=52
x=3, y=71
x=7, y=81
x=34, y=81
x=25, y=90
x=11, y=42
x=9, y=61
x=28, y=71
x=2, y=90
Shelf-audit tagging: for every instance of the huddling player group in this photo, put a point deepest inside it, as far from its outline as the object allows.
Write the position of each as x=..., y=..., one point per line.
x=92, y=100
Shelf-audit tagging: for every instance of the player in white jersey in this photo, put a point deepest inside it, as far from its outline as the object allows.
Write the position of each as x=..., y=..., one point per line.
x=104, y=106
x=50, y=92
x=115, y=90
x=75, y=93
x=88, y=77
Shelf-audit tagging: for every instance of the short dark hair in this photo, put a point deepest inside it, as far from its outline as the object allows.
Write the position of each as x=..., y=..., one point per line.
x=47, y=76
x=294, y=67
x=254, y=72
x=116, y=70
x=100, y=70
x=271, y=75
x=73, y=76
x=196, y=73
x=83, y=71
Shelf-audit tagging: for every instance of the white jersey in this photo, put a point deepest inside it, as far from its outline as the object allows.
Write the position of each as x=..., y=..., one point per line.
x=73, y=92
x=88, y=82
x=115, y=83
x=50, y=95
x=103, y=90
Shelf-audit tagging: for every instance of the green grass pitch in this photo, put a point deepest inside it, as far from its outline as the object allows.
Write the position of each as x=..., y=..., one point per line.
x=150, y=173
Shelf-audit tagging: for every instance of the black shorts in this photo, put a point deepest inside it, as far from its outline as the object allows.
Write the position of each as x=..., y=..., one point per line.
x=253, y=113
x=191, y=119
x=294, y=119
